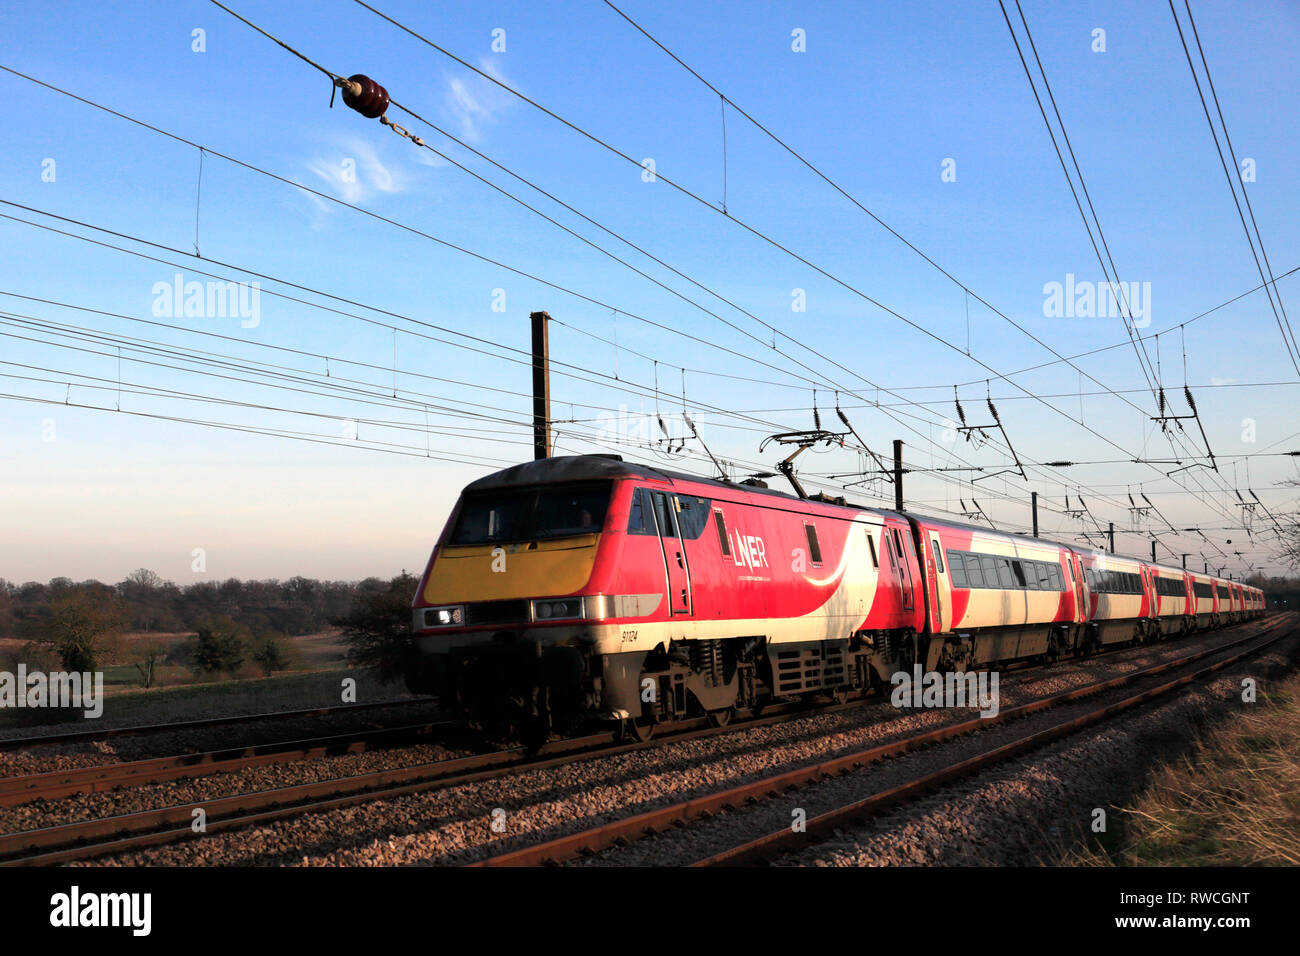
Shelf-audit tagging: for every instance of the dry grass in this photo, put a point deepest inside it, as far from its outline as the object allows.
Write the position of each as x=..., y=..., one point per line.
x=1233, y=801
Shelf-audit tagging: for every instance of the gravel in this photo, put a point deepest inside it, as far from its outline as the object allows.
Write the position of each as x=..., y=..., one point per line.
x=456, y=824
x=42, y=758
x=1004, y=816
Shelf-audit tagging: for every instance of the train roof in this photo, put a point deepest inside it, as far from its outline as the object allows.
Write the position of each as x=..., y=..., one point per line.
x=563, y=468
x=570, y=468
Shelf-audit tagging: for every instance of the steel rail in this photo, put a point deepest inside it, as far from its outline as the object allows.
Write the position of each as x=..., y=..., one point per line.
x=91, y=838
x=763, y=848
x=651, y=822
x=97, y=837
x=79, y=736
x=54, y=784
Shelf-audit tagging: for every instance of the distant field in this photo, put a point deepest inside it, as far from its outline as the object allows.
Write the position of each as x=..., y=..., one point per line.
x=317, y=669
x=319, y=651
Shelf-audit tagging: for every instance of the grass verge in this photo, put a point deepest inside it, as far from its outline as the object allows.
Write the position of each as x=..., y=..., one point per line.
x=1233, y=800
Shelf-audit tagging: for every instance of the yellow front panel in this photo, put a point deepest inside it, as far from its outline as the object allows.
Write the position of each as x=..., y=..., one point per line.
x=497, y=572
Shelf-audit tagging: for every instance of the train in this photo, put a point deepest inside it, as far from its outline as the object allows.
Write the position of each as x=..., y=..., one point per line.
x=587, y=588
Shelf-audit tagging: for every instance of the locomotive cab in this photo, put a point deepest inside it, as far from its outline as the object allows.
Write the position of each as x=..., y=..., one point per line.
x=512, y=606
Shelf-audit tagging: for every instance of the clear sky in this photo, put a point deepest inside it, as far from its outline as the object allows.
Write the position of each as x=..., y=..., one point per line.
x=921, y=111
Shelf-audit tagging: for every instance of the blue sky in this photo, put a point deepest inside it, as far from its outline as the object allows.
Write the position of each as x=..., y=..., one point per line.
x=881, y=98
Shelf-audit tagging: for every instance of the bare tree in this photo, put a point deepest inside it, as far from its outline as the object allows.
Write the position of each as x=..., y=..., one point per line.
x=1289, y=540
x=148, y=655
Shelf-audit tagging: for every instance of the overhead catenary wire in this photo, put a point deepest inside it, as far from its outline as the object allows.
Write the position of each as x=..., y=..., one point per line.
x=174, y=264
x=394, y=327
x=626, y=385
x=326, y=196
x=688, y=193
x=1143, y=360
x=660, y=177
x=968, y=293
x=390, y=221
x=1133, y=337
x=1283, y=323
x=1111, y=276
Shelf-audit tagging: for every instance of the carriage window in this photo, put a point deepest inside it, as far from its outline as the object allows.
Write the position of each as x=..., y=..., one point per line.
x=1018, y=570
x=871, y=545
x=957, y=569
x=1004, y=573
x=720, y=523
x=938, y=555
x=974, y=570
x=814, y=547
x=990, y=566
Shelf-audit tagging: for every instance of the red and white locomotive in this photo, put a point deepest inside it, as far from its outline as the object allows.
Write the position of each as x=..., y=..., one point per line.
x=587, y=586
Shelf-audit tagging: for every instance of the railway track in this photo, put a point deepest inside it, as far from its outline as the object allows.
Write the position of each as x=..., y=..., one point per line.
x=93, y=736
x=156, y=827
x=773, y=844
x=56, y=784
x=104, y=836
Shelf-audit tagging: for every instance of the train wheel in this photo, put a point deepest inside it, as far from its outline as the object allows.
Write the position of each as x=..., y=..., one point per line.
x=639, y=731
x=533, y=735
x=720, y=718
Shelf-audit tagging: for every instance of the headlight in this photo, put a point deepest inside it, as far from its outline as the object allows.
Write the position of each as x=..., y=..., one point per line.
x=444, y=616
x=562, y=609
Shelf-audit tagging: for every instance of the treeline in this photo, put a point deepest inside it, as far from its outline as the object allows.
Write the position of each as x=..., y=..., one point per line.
x=238, y=626
x=145, y=603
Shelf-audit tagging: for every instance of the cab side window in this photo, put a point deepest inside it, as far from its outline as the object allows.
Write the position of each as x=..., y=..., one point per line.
x=639, y=520
x=692, y=515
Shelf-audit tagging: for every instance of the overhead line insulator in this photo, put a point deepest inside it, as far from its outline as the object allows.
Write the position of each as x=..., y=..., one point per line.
x=364, y=95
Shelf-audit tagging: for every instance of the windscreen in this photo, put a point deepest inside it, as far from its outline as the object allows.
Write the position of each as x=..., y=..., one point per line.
x=527, y=514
